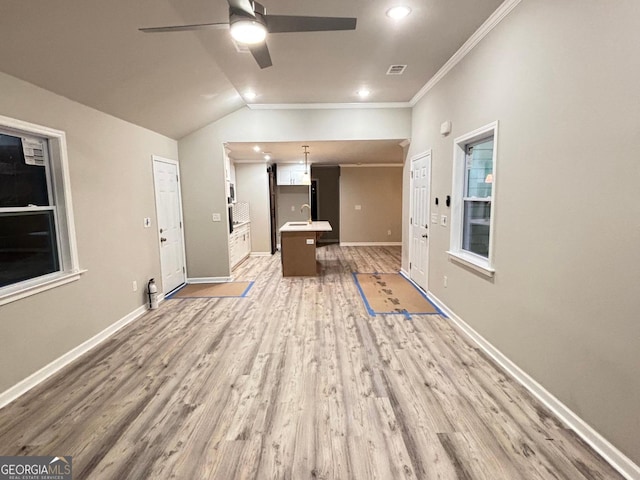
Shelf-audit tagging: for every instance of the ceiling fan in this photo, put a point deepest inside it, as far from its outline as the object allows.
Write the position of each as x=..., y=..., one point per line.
x=249, y=24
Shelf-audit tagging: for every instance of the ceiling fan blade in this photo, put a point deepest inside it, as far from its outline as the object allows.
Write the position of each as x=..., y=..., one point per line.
x=293, y=23
x=241, y=6
x=185, y=28
x=261, y=53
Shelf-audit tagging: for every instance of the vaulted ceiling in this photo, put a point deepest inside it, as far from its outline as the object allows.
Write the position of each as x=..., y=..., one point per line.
x=92, y=52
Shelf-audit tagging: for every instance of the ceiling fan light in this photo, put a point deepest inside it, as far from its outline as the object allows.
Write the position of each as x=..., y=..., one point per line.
x=248, y=32
x=399, y=11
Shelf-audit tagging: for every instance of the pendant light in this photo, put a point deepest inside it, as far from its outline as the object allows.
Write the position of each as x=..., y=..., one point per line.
x=306, y=177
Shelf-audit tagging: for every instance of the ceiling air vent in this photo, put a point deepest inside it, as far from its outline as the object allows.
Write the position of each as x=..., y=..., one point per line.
x=396, y=69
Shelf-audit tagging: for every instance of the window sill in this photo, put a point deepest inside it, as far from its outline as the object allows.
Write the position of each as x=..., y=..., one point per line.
x=475, y=263
x=44, y=284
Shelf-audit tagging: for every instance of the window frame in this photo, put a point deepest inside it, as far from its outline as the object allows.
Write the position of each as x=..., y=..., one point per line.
x=456, y=253
x=59, y=189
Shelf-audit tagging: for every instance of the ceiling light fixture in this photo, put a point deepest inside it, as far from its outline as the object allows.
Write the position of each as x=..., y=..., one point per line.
x=363, y=93
x=249, y=95
x=267, y=157
x=248, y=32
x=398, y=12
x=256, y=148
x=306, y=178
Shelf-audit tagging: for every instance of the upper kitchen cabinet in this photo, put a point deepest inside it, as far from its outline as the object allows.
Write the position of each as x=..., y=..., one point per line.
x=290, y=174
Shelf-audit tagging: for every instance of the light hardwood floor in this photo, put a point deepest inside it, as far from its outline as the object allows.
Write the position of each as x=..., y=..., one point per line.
x=295, y=381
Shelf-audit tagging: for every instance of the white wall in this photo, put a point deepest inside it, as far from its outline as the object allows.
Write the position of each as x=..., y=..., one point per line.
x=252, y=185
x=112, y=191
x=202, y=164
x=562, y=79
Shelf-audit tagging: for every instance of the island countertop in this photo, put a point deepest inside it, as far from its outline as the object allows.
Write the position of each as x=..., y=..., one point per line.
x=319, y=226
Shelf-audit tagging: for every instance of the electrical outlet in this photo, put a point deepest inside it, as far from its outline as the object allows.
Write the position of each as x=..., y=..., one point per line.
x=434, y=218
x=358, y=207
x=216, y=217
x=293, y=208
x=389, y=232
x=135, y=286
x=445, y=281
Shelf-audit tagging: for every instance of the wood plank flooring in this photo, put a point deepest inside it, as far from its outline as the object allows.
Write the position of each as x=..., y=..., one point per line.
x=295, y=381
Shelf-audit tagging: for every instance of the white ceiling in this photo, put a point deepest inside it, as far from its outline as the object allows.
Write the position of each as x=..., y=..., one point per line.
x=320, y=153
x=174, y=83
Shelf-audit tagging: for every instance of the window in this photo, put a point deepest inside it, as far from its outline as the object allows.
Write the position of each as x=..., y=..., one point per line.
x=37, y=245
x=473, y=206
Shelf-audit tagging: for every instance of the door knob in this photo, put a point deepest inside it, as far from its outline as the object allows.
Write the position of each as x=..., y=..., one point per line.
x=162, y=239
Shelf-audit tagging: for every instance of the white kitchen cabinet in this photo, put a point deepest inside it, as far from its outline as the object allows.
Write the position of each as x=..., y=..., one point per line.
x=290, y=174
x=239, y=243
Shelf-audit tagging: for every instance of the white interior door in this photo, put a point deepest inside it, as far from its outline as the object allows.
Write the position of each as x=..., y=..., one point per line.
x=419, y=249
x=169, y=224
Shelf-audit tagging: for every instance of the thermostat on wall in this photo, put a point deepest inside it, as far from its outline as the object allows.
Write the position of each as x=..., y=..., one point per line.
x=445, y=128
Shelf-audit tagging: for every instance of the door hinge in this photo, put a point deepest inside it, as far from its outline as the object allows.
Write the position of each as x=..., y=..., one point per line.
x=409, y=265
x=183, y=270
x=411, y=173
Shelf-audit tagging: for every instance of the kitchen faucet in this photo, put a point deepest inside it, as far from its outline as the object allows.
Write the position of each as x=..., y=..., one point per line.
x=302, y=208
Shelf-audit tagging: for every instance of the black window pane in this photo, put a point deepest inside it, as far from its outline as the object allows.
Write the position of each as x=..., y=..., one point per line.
x=23, y=181
x=27, y=246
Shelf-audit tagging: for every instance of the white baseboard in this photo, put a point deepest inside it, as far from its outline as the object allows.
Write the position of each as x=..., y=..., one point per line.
x=609, y=452
x=45, y=372
x=260, y=254
x=209, y=279
x=370, y=244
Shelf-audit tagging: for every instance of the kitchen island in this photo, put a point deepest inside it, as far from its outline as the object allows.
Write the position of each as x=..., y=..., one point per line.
x=298, y=247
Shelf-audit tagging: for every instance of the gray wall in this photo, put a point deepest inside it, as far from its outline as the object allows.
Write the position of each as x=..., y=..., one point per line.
x=328, y=198
x=202, y=164
x=252, y=185
x=289, y=200
x=378, y=191
x=562, y=79
x=112, y=191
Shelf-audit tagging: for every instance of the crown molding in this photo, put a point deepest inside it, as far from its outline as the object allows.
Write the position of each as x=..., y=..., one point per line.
x=496, y=17
x=326, y=106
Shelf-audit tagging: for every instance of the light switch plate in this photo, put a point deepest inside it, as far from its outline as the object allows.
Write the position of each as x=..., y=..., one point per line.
x=443, y=220
x=147, y=222
x=310, y=241
x=358, y=207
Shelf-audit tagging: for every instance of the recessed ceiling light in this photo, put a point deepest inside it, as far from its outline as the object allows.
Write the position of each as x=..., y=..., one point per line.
x=250, y=95
x=267, y=157
x=363, y=93
x=399, y=11
x=256, y=148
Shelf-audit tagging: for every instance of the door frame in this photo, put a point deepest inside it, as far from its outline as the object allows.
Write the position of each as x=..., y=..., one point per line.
x=418, y=156
x=154, y=159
